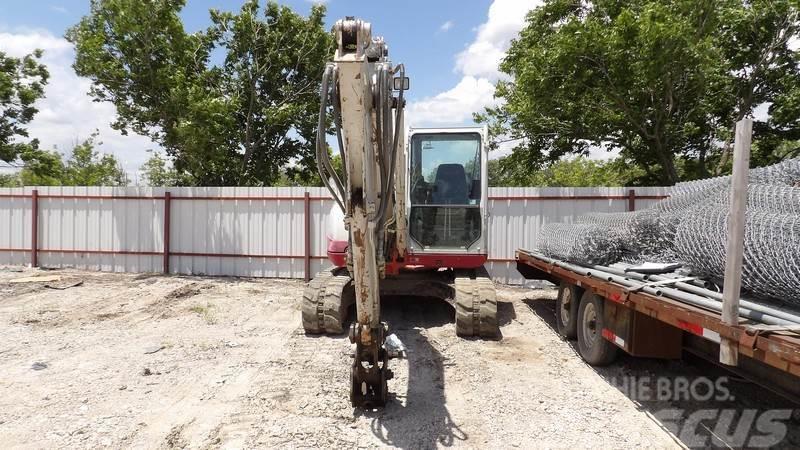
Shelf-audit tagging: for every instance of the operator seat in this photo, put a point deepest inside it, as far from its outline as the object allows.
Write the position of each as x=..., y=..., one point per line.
x=450, y=187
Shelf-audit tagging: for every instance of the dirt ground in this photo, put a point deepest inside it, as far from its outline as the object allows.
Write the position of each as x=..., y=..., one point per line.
x=148, y=361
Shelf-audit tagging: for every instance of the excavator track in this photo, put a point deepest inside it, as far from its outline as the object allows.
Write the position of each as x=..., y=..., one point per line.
x=475, y=304
x=326, y=300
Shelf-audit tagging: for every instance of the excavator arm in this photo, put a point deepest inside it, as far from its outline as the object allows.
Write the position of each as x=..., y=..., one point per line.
x=358, y=88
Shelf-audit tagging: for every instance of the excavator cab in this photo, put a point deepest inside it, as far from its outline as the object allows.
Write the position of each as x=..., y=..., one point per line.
x=447, y=197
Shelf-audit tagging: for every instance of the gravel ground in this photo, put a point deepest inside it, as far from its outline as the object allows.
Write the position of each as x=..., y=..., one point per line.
x=147, y=361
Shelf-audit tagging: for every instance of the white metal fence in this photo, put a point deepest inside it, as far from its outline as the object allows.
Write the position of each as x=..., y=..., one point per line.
x=259, y=232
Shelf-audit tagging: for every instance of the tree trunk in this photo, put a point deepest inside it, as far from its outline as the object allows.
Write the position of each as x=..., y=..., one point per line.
x=701, y=160
x=669, y=175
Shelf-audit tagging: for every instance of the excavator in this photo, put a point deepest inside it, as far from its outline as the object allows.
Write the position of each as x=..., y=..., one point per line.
x=412, y=210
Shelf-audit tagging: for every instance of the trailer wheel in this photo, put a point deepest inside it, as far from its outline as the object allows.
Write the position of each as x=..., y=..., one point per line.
x=594, y=349
x=569, y=295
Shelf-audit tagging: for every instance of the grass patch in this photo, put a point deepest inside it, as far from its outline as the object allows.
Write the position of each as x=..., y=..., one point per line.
x=207, y=312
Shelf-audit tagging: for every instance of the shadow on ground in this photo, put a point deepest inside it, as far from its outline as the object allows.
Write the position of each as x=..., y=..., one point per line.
x=700, y=404
x=420, y=419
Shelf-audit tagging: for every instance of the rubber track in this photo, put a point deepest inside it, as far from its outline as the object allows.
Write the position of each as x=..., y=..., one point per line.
x=476, y=306
x=325, y=302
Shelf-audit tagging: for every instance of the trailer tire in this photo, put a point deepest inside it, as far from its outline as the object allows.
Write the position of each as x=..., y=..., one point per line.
x=569, y=296
x=594, y=349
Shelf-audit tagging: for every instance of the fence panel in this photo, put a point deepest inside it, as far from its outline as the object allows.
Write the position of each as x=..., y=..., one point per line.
x=115, y=229
x=245, y=231
x=15, y=225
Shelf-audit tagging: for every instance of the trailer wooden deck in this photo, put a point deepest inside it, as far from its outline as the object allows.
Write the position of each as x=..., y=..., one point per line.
x=653, y=326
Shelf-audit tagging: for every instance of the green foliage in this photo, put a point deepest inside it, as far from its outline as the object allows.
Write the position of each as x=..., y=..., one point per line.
x=294, y=176
x=661, y=81
x=568, y=172
x=157, y=171
x=22, y=82
x=84, y=167
x=43, y=168
x=237, y=123
x=10, y=180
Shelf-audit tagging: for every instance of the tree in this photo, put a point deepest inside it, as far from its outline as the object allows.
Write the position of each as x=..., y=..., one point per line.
x=10, y=180
x=569, y=172
x=660, y=81
x=294, y=176
x=765, y=70
x=238, y=122
x=84, y=167
x=157, y=172
x=42, y=168
x=273, y=70
x=22, y=82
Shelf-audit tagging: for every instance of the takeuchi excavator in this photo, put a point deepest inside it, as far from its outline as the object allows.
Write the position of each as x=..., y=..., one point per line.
x=413, y=211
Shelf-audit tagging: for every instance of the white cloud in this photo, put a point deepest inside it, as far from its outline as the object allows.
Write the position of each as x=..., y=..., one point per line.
x=445, y=27
x=453, y=106
x=506, y=19
x=477, y=65
x=67, y=113
x=761, y=112
x=504, y=148
x=604, y=152
x=58, y=9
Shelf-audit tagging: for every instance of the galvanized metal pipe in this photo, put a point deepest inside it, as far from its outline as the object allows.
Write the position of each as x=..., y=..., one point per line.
x=749, y=304
x=675, y=294
x=699, y=283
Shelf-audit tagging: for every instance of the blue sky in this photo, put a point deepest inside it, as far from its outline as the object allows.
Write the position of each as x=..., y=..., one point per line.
x=450, y=49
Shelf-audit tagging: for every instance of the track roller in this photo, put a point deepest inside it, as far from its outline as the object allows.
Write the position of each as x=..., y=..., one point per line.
x=326, y=300
x=476, y=304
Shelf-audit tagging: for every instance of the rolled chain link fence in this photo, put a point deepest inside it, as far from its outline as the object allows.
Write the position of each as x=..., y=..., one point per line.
x=771, y=261
x=581, y=243
x=690, y=227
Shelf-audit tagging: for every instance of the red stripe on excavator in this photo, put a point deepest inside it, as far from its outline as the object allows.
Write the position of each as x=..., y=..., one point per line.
x=462, y=261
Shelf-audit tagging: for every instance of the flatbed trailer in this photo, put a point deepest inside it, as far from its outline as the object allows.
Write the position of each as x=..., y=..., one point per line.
x=605, y=316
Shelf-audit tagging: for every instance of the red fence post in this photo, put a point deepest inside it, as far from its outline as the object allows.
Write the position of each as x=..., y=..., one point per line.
x=166, y=231
x=307, y=234
x=632, y=200
x=34, y=228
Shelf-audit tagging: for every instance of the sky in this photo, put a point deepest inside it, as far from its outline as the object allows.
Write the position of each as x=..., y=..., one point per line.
x=450, y=48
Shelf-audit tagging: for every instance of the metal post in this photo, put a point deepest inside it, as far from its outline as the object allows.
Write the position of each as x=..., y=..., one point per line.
x=166, y=231
x=307, y=234
x=632, y=200
x=34, y=228
x=729, y=349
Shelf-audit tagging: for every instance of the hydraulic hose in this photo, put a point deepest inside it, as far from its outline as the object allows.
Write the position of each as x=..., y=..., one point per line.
x=323, y=159
x=380, y=141
x=395, y=141
x=337, y=122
